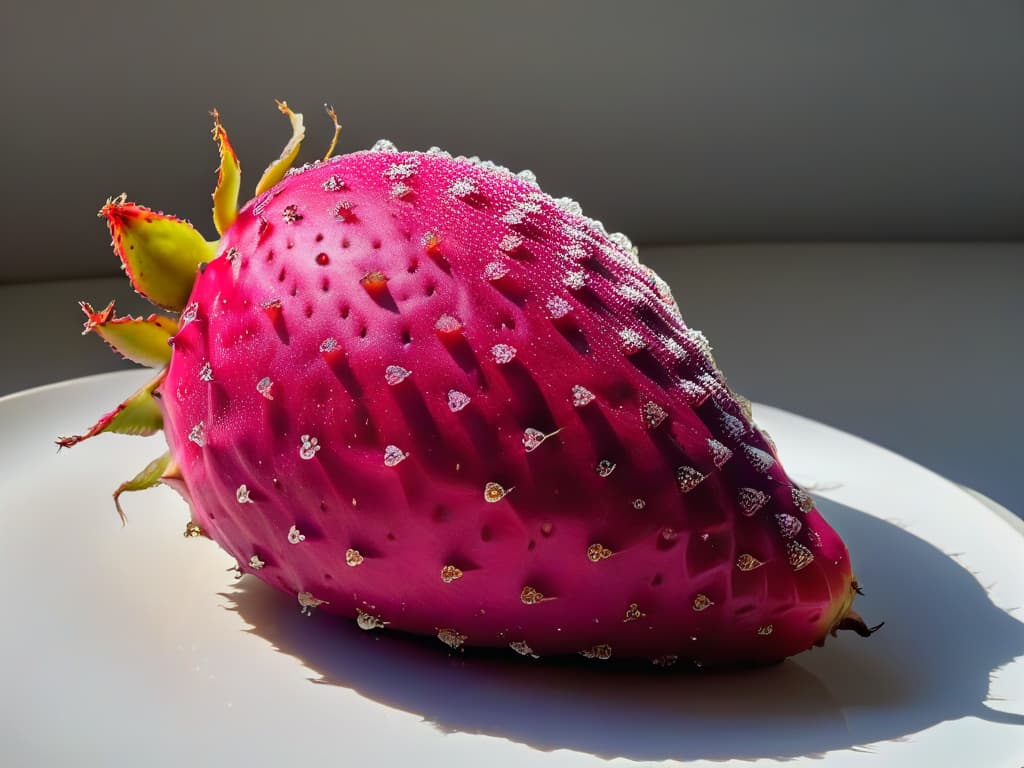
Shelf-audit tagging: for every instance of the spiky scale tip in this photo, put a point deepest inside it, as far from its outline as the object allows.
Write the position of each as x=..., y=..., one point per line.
x=404, y=422
x=161, y=254
x=142, y=340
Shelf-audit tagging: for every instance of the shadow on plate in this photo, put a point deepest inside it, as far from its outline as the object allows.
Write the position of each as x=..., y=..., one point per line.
x=931, y=663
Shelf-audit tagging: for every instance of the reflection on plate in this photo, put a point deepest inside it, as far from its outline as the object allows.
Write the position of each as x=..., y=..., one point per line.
x=129, y=646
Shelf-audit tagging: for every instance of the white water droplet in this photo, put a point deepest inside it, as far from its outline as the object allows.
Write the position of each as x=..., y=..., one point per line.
x=510, y=243
x=329, y=344
x=575, y=279
x=639, y=503
x=206, y=372
x=393, y=456
x=720, y=453
x=463, y=188
x=733, y=426
x=581, y=396
x=189, y=314
x=605, y=467
x=400, y=190
x=255, y=563
x=198, y=434
x=333, y=184
x=368, y=621
x=295, y=536
x=568, y=205
x=632, y=294
x=528, y=176
x=695, y=393
x=309, y=447
x=242, y=494
x=558, y=307
x=632, y=341
x=652, y=415
x=532, y=438
x=495, y=492
x=751, y=500
x=789, y=526
x=495, y=270
x=521, y=647
x=383, y=145
x=457, y=400
x=398, y=171
x=396, y=374
x=688, y=478
x=263, y=386
x=674, y=348
x=448, y=324
x=759, y=460
x=574, y=253
x=503, y=353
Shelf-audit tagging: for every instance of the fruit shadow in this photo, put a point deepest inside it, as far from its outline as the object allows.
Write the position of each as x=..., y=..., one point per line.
x=932, y=662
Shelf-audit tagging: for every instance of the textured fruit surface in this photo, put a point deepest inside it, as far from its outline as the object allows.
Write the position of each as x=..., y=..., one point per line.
x=416, y=390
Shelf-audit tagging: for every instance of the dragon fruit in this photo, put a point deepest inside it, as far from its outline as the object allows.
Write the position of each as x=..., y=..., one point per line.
x=415, y=390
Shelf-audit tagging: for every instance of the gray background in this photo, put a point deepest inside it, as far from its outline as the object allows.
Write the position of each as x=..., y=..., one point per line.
x=716, y=134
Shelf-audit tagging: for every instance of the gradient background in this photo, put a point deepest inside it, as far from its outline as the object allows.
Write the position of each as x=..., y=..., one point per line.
x=835, y=192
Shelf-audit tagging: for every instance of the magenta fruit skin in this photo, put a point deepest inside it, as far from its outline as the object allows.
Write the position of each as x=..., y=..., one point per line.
x=418, y=389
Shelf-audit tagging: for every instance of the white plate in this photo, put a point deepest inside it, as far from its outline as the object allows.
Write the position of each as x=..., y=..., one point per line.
x=134, y=646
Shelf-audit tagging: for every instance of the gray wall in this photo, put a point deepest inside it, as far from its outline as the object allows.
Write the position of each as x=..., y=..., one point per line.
x=675, y=122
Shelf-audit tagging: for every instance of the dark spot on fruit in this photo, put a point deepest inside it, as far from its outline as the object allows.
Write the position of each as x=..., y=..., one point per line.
x=202, y=271
x=441, y=514
x=592, y=301
x=327, y=577
x=270, y=256
x=325, y=285
x=294, y=291
x=309, y=310
x=598, y=268
x=459, y=348
x=528, y=401
x=414, y=264
x=213, y=516
x=391, y=536
x=323, y=259
x=281, y=275
x=652, y=368
x=744, y=609
x=375, y=243
x=406, y=336
x=407, y=235
x=486, y=533
x=323, y=505
x=319, y=237
x=344, y=312
x=344, y=242
x=656, y=581
x=531, y=546
x=573, y=334
x=654, y=321
x=362, y=332
x=507, y=322
x=431, y=290
x=291, y=244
